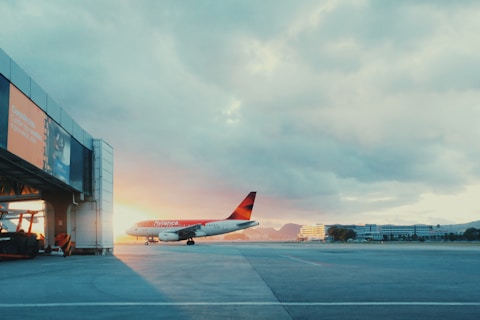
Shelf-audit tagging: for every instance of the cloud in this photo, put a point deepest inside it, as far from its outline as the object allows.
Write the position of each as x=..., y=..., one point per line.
x=332, y=107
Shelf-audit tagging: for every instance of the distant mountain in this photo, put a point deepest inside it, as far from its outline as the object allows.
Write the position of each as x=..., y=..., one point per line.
x=287, y=232
x=290, y=231
x=455, y=228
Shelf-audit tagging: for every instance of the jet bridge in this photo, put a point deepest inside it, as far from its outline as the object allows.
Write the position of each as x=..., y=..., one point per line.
x=45, y=155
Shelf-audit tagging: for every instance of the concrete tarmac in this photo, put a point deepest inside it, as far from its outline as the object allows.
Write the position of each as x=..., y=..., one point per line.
x=215, y=280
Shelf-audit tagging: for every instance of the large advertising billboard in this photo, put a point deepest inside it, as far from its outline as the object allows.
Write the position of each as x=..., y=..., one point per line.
x=57, y=151
x=33, y=136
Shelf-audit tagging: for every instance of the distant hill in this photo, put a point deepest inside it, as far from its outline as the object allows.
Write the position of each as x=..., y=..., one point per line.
x=287, y=232
x=460, y=227
x=290, y=231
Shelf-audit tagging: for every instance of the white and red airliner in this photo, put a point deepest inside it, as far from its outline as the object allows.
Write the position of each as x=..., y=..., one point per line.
x=178, y=230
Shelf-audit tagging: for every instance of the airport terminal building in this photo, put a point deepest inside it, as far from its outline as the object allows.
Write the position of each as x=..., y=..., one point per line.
x=312, y=232
x=395, y=232
x=46, y=155
x=375, y=232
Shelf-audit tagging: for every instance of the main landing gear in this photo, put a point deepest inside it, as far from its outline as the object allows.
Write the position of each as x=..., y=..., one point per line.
x=150, y=240
x=190, y=242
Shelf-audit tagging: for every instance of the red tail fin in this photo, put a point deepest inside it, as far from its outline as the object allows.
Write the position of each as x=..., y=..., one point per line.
x=244, y=209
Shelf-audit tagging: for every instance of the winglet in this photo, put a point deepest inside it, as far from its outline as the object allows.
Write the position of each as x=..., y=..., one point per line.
x=244, y=209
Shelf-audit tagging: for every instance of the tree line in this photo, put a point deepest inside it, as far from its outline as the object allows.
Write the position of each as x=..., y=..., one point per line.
x=341, y=234
x=471, y=234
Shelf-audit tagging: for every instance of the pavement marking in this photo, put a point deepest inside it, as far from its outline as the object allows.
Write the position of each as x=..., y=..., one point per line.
x=304, y=261
x=244, y=303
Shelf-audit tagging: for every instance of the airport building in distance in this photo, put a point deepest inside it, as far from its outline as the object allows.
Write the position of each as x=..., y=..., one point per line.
x=376, y=232
x=312, y=232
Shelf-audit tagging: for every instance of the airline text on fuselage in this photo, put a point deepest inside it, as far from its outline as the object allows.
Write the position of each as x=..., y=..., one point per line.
x=163, y=223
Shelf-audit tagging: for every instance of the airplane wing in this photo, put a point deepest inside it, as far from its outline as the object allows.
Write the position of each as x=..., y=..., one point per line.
x=247, y=224
x=187, y=232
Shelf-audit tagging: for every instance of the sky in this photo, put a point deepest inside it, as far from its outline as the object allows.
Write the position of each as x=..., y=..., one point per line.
x=333, y=111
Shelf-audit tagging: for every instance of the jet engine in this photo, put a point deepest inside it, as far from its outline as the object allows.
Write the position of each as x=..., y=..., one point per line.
x=168, y=236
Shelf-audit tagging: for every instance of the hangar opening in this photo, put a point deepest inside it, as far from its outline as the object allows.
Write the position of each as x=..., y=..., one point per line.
x=46, y=156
